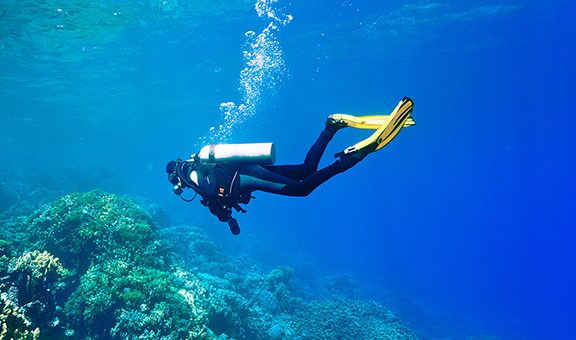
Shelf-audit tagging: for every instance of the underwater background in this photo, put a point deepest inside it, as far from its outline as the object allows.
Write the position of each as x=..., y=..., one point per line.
x=463, y=227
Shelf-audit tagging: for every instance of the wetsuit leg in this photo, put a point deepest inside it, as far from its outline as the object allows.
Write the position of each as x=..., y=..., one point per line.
x=256, y=177
x=310, y=165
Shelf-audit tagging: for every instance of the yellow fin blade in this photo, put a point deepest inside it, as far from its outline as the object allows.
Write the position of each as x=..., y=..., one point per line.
x=392, y=124
x=367, y=122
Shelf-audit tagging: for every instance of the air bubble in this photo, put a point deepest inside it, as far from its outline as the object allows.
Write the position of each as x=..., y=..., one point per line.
x=264, y=67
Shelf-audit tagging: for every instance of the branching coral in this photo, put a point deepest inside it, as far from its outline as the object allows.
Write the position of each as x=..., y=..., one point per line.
x=13, y=323
x=39, y=268
x=36, y=278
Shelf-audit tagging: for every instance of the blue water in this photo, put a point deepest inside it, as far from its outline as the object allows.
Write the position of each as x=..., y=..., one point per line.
x=463, y=225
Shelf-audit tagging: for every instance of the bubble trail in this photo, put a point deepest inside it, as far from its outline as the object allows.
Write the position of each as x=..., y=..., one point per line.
x=264, y=68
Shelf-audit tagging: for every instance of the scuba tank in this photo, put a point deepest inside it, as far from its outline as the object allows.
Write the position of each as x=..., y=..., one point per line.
x=254, y=153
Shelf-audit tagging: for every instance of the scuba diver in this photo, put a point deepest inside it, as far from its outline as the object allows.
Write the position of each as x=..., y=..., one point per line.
x=225, y=175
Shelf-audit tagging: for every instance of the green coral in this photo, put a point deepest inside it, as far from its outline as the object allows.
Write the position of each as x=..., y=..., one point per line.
x=114, y=291
x=83, y=228
x=122, y=266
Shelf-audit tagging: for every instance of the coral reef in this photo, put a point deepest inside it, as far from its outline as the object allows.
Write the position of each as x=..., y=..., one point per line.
x=341, y=318
x=13, y=323
x=36, y=280
x=39, y=268
x=130, y=300
x=4, y=248
x=94, y=266
x=83, y=228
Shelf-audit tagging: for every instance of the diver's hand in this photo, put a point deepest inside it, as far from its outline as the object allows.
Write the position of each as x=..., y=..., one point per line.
x=234, y=227
x=223, y=214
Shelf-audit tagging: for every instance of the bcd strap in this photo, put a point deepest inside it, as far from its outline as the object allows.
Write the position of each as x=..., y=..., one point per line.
x=211, y=154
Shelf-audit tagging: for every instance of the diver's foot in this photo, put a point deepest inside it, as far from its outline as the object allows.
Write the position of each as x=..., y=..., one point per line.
x=334, y=123
x=348, y=160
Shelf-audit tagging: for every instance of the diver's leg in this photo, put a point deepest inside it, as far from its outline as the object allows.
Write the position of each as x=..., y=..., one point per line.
x=310, y=165
x=259, y=178
x=255, y=177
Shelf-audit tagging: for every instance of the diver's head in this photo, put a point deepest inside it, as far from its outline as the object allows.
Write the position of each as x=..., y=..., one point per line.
x=173, y=169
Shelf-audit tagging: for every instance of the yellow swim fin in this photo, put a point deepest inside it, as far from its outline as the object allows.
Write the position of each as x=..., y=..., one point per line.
x=393, y=123
x=365, y=122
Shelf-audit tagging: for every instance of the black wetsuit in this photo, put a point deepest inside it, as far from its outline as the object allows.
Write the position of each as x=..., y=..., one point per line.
x=293, y=180
x=224, y=185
